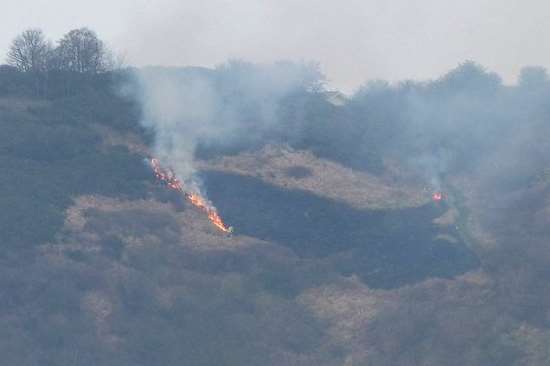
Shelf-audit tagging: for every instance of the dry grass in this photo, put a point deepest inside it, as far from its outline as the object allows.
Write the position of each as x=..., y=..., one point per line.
x=21, y=105
x=347, y=306
x=475, y=203
x=129, y=140
x=197, y=231
x=324, y=178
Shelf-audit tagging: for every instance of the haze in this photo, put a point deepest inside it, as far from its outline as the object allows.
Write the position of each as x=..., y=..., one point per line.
x=353, y=40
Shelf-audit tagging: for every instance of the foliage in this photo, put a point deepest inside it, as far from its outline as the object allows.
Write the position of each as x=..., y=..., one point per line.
x=125, y=290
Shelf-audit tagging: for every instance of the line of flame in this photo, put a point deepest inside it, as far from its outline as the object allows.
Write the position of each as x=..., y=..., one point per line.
x=196, y=200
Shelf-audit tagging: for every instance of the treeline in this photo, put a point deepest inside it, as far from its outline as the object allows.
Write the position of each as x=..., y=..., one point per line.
x=38, y=67
x=453, y=124
x=446, y=125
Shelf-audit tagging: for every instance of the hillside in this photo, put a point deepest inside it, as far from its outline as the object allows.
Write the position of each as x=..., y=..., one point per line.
x=339, y=256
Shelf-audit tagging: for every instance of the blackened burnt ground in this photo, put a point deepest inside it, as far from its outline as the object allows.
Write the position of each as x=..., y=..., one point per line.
x=385, y=248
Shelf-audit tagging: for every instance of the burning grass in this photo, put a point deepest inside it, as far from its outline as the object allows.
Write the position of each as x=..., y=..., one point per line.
x=169, y=178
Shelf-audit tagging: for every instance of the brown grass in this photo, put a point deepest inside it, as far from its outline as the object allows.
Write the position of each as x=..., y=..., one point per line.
x=326, y=178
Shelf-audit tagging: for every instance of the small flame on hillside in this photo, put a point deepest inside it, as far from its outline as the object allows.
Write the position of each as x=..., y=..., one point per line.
x=437, y=196
x=170, y=179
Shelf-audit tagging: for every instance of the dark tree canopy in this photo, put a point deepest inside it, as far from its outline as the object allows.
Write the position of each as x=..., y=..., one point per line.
x=533, y=77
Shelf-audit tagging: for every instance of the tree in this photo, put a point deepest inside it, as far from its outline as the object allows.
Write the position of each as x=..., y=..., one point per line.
x=82, y=51
x=29, y=52
x=533, y=77
x=469, y=77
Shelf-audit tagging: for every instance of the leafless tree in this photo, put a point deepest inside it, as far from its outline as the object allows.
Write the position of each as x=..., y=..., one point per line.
x=29, y=51
x=82, y=51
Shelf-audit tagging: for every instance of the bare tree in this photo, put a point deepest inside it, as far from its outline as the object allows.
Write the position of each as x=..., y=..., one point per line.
x=82, y=51
x=29, y=51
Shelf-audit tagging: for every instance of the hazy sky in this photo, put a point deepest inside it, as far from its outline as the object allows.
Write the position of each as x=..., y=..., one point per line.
x=353, y=40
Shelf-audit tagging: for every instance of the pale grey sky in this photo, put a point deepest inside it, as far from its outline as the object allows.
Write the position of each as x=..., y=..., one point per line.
x=354, y=40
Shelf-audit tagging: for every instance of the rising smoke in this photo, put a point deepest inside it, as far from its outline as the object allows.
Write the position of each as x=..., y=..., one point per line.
x=236, y=104
x=465, y=121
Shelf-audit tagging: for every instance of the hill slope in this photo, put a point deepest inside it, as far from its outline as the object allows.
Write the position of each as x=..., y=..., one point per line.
x=328, y=265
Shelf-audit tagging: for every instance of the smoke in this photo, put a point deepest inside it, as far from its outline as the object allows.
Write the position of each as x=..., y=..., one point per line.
x=233, y=105
x=178, y=110
x=466, y=121
x=432, y=167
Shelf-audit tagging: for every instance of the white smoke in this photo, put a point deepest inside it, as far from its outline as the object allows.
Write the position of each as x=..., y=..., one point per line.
x=433, y=167
x=179, y=112
x=235, y=103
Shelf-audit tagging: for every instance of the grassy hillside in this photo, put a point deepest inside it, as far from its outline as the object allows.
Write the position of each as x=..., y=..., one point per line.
x=50, y=155
x=335, y=260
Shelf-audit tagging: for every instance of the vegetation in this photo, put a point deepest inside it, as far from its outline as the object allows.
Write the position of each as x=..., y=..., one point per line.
x=80, y=50
x=100, y=266
x=376, y=245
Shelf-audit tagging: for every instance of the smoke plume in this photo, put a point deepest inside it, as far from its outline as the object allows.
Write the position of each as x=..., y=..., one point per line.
x=226, y=107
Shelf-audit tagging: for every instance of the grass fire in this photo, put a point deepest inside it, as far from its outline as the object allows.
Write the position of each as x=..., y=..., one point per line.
x=169, y=178
x=437, y=196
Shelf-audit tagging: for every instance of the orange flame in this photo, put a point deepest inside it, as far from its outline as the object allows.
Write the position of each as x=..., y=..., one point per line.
x=196, y=200
x=437, y=196
x=199, y=202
